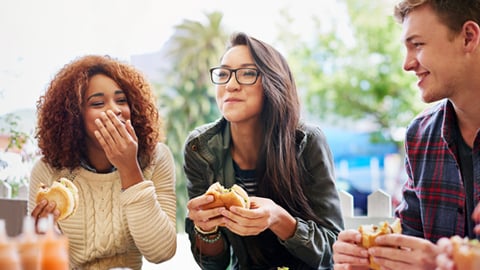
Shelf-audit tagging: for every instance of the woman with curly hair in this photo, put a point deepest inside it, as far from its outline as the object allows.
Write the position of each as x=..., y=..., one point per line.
x=98, y=125
x=284, y=164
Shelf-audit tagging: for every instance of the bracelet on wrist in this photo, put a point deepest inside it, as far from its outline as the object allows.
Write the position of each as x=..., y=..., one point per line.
x=198, y=230
x=207, y=239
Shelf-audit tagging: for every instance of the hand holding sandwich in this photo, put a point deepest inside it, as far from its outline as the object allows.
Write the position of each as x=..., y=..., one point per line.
x=454, y=250
x=59, y=199
x=263, y=214
x=241, y=214
x=205, y=210
x=351, y=248
x=399, y=251
x=391, y=251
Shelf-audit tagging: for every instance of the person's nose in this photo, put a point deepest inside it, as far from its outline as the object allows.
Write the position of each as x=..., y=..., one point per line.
x=232, y=84
x=114, y=108
x=410, y=62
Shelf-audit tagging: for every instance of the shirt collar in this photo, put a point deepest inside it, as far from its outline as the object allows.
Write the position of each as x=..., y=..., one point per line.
x=90, y=168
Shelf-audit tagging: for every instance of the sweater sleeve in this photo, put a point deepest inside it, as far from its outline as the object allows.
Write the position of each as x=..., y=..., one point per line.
x=150, y=209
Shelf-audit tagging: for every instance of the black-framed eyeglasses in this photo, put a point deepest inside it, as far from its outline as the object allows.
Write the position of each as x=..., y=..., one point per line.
x=244, y=76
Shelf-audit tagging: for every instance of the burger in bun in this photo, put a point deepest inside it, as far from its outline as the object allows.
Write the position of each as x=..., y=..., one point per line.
x=370, y=232
x=466, y=252
x=227, y=197
x=64, y=193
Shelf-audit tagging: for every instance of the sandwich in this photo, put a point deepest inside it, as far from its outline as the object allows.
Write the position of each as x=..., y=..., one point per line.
x=64, y=193
x=370, y=232
x=466, y=252
x=227, y=197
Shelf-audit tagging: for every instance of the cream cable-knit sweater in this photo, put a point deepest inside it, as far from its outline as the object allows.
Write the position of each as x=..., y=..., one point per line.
x=112, y=228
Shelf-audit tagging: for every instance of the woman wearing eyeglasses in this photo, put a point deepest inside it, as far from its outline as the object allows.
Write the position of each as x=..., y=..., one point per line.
x=285, y=165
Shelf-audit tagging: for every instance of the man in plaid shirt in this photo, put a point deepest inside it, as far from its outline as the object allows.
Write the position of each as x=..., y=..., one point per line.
x=442, y=40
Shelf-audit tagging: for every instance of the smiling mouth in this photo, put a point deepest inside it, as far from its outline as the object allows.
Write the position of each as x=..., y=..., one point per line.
x=422, y=75
x=232, y=100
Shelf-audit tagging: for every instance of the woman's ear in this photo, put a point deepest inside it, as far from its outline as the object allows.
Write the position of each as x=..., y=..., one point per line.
x=471, y=34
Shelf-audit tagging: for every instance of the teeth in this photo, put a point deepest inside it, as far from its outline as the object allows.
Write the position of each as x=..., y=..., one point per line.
x=421, y=76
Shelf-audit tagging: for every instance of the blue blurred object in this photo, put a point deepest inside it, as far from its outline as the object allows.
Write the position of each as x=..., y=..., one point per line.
x=358, y=163
x=356, y=147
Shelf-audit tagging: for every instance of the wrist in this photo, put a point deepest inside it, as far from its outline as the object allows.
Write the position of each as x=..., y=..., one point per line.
x=285, y=226
x=200, y=231
x=210, y=236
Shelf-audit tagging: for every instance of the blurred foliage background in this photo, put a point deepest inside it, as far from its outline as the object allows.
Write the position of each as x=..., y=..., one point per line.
x=352, y=77
x=347, y=77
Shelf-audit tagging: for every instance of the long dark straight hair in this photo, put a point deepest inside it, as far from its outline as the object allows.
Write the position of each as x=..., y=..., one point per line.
x=280, y=170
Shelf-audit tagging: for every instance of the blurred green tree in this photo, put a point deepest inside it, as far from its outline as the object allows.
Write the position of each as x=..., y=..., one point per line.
x=16, y=137
x=186, y=94
x=355, y=75
x=344, y=75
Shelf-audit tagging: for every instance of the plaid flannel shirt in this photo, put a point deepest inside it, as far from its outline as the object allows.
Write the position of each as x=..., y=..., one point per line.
x=433, y=204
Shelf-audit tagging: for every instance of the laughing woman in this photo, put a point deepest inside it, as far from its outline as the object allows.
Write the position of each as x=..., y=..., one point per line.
x=98, y=126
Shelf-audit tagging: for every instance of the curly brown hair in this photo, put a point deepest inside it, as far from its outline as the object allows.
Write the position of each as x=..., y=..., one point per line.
x=60, y=131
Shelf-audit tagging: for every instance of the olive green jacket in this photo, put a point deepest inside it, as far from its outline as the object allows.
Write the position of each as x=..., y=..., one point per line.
x=208, y=160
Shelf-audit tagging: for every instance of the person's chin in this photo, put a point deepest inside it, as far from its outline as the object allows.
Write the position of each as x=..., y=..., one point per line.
x=429, y=98
x=426, y=98
x=425, y=93
x=231, y=114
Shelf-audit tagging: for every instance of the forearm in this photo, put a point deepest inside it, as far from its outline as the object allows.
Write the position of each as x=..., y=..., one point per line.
x=130, y=176
x=285, y=224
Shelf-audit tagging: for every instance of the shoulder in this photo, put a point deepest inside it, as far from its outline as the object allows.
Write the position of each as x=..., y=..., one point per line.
x=309, y=132
x=430, y=118
x=312, y=141
x=206, y=131
x=162, y=152
x=202, y=135
x=47, y=174
x=162, y=162
x=162, y=149
x=40, y=170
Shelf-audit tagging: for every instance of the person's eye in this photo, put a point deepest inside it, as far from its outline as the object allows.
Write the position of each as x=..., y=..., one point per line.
x=97, y=104
x=122, y=100
x=222, y=74
x=250, y=73
x=417, y=45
